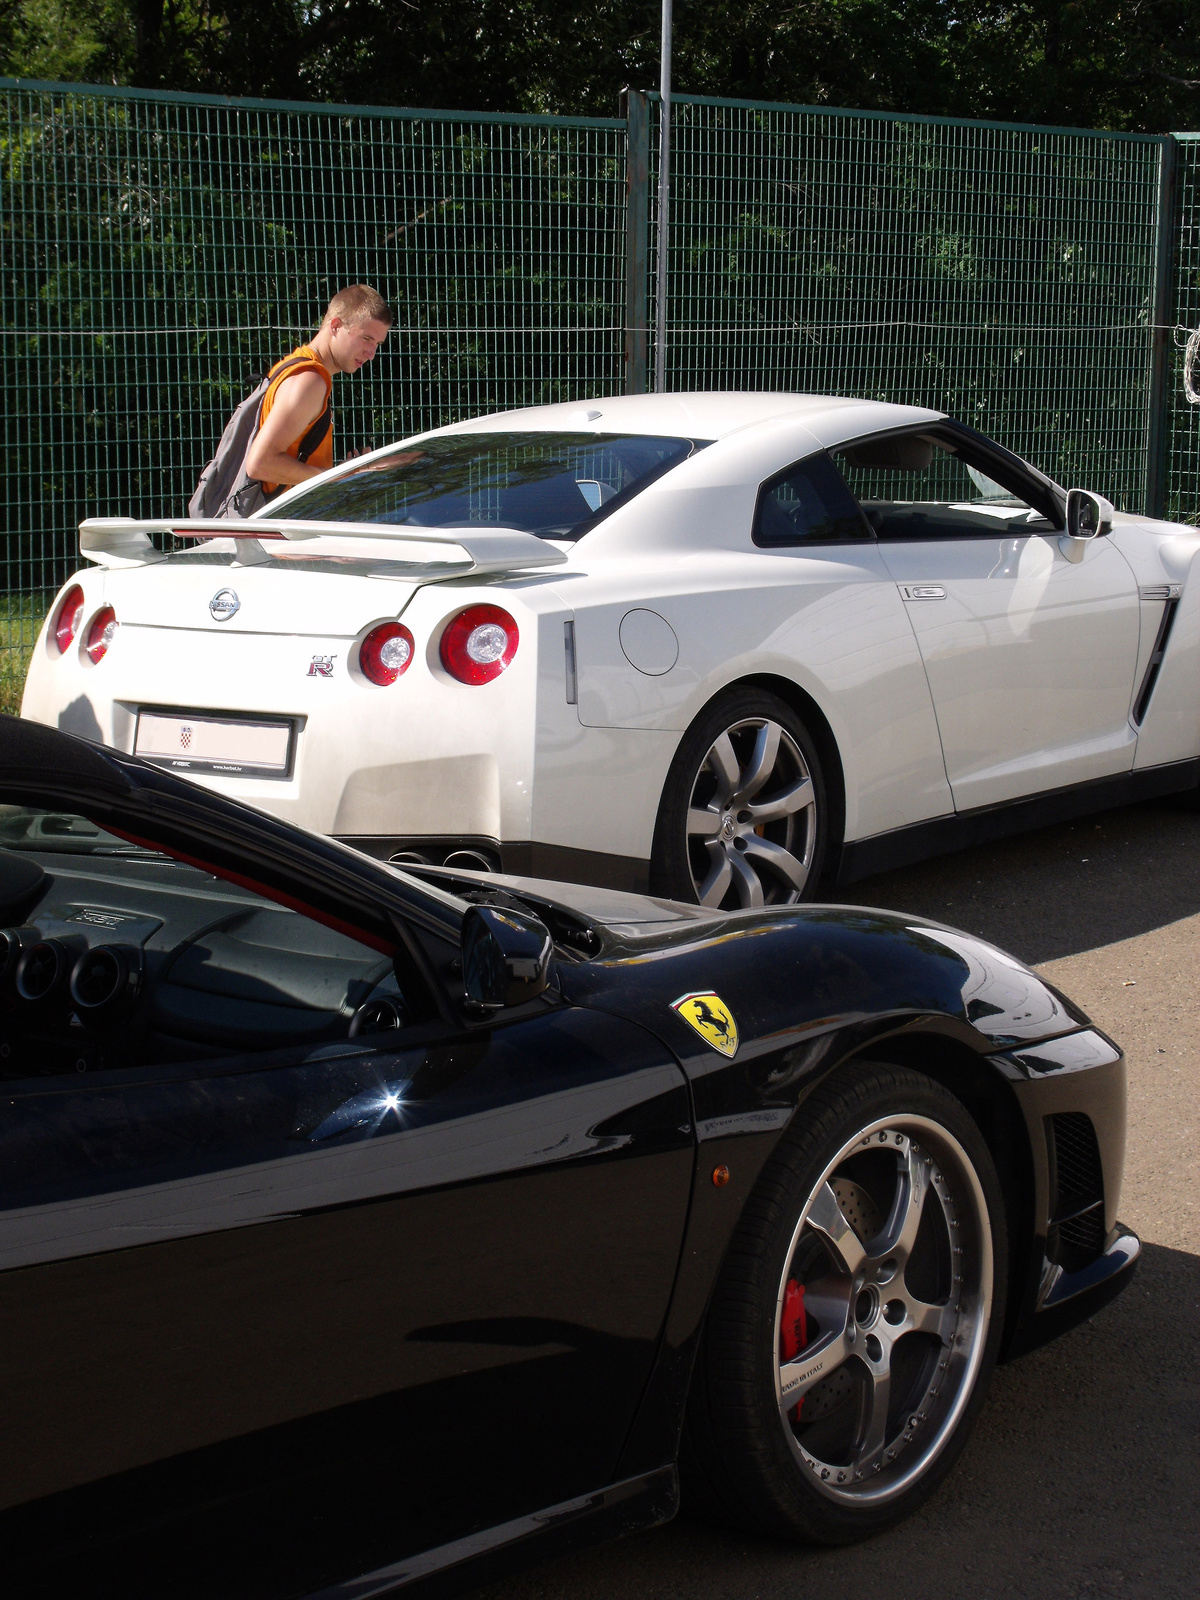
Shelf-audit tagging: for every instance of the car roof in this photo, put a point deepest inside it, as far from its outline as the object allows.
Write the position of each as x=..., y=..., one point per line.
x=710, y=414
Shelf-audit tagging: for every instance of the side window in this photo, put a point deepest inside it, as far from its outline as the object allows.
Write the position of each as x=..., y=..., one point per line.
x=116, y=955
x=939, y=484
x=807, y=504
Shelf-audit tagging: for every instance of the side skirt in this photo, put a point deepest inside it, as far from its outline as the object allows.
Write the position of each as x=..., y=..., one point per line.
x=884, y=852
x=626, y=1507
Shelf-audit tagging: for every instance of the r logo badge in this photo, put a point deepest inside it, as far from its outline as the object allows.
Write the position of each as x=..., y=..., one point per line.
x=321, y=666
x=711, y=1018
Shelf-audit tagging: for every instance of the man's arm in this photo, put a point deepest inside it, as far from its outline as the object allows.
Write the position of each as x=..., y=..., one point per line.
x=299, y=401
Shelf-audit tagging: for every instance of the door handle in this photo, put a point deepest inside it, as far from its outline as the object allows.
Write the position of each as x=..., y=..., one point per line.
x=922, y=591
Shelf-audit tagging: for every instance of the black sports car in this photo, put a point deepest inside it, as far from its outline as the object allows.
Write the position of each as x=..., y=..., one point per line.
x=364, y=1229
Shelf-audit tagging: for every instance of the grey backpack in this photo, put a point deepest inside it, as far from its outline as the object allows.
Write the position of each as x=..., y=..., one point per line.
x=224, y=490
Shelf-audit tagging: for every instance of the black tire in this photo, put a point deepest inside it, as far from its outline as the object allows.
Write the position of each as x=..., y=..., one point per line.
x=767, y=823
x=830, y=1477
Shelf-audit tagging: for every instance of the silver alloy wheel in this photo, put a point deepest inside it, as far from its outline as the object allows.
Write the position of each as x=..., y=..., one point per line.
x=752, y=818
x=894, y=1252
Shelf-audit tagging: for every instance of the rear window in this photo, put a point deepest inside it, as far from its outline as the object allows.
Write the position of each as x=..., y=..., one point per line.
x=556, y=485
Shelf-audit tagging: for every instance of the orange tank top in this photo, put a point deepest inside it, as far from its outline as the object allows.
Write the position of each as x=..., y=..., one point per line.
x=315, y=445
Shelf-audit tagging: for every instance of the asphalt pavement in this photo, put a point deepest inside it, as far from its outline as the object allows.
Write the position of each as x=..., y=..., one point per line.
x=1083, y=1476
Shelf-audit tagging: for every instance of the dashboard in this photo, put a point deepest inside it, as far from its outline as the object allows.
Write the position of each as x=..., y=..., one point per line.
x=111, y=956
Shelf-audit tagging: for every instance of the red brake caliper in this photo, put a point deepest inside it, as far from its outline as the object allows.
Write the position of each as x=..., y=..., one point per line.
x=793, y=1329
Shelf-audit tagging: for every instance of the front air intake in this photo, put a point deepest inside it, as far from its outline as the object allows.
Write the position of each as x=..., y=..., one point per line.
x=1075, y=1235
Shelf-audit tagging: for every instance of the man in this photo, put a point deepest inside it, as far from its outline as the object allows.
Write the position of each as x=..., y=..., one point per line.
x=294, y=441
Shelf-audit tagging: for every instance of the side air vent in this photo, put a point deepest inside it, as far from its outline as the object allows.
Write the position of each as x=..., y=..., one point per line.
x=1076, y=1231
x=1142, y=704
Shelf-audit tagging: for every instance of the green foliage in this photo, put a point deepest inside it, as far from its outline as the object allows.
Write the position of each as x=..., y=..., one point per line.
x=21, y=617
x=1127, y=64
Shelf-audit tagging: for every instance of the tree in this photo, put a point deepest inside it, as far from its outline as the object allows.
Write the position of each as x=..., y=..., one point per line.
x=1125, y=64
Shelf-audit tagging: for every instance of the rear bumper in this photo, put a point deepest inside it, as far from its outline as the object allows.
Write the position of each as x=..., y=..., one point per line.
x=522, y=858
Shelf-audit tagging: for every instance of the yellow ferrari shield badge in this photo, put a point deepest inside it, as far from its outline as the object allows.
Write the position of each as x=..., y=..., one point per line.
x=711, y=1018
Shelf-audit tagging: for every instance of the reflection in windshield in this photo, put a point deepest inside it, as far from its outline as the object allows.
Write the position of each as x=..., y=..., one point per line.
x=26, y=828
x=555, y=485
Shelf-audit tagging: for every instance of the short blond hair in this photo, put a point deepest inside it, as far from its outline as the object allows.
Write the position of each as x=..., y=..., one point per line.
x=358, y=302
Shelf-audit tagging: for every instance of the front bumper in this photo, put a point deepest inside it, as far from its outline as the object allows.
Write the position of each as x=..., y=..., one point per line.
x=1070, y=1298
x=1073, y=1254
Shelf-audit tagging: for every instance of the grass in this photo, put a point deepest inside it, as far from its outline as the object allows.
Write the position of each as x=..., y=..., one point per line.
x=20, y=619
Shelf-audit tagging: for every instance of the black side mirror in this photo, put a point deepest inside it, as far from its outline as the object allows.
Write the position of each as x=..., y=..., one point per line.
x=505, y=957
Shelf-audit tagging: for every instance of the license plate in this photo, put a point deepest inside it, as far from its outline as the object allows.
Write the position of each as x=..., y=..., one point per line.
x=245, y=747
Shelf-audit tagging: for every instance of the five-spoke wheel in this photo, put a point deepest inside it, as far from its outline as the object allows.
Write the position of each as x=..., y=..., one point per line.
x=892, y=1262
x=856, y=1323
x=743, y=816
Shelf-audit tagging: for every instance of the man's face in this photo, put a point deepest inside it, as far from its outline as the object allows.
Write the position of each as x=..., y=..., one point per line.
x=354, y=344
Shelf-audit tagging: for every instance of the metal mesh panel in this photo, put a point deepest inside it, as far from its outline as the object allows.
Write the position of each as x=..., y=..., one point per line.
x=159, y=253
x=1001, y=274
x=1183, y=477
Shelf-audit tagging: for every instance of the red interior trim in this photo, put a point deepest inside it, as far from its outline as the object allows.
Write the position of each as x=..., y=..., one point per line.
x=371, y=940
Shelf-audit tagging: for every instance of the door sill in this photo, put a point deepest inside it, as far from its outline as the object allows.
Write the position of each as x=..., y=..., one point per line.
x=902, y=847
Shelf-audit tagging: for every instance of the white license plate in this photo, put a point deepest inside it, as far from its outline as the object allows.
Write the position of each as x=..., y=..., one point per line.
x=240, y=746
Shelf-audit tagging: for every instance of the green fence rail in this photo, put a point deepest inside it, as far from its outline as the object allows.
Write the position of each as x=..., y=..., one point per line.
x=158, y=251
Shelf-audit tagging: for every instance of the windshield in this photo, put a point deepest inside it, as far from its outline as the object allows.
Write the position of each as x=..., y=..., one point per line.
x=556, y=485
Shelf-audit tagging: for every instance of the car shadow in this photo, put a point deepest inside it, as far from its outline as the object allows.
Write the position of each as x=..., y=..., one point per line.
x=1060, y=890
x=1080, y=1480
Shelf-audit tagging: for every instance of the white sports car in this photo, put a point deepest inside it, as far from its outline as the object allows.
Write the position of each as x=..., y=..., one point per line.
x=723, y=646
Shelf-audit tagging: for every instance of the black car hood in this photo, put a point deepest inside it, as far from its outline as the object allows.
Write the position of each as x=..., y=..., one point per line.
x=790, y=966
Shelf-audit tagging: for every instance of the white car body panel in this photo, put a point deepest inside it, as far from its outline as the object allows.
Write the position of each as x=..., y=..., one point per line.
x=1022, y=679
x=1031, y=659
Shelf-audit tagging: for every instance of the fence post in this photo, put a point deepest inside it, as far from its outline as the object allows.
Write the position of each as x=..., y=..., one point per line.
x=637, y=233
x=1161, y=321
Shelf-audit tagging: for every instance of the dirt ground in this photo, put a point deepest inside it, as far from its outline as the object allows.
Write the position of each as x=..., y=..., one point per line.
x=1083, y=1477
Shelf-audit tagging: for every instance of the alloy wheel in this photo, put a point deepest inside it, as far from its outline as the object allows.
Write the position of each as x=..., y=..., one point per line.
x=752, y=818
x=883, y=1309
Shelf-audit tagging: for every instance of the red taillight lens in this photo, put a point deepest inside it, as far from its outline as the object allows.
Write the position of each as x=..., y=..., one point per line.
x=101, y=633
x=385, y=653
x=478, y=644
x=70, y=615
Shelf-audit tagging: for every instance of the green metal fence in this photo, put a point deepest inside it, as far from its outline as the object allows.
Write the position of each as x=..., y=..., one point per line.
x=1004, y=274
x=1183, y=426
x=158, y=251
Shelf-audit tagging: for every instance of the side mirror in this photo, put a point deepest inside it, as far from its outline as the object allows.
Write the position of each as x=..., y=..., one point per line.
x=505, y=957
x=1089, y=516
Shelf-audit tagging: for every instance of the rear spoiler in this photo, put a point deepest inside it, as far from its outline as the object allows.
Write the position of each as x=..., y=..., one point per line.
x=126, y=542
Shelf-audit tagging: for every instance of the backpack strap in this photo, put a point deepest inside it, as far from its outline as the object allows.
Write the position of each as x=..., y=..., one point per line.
x=280, y=370
x=316, y=433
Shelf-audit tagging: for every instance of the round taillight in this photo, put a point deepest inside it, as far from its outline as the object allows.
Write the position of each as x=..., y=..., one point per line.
x=101, y=633
x=478, y=644
x=385, y=653
x=70, y=615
